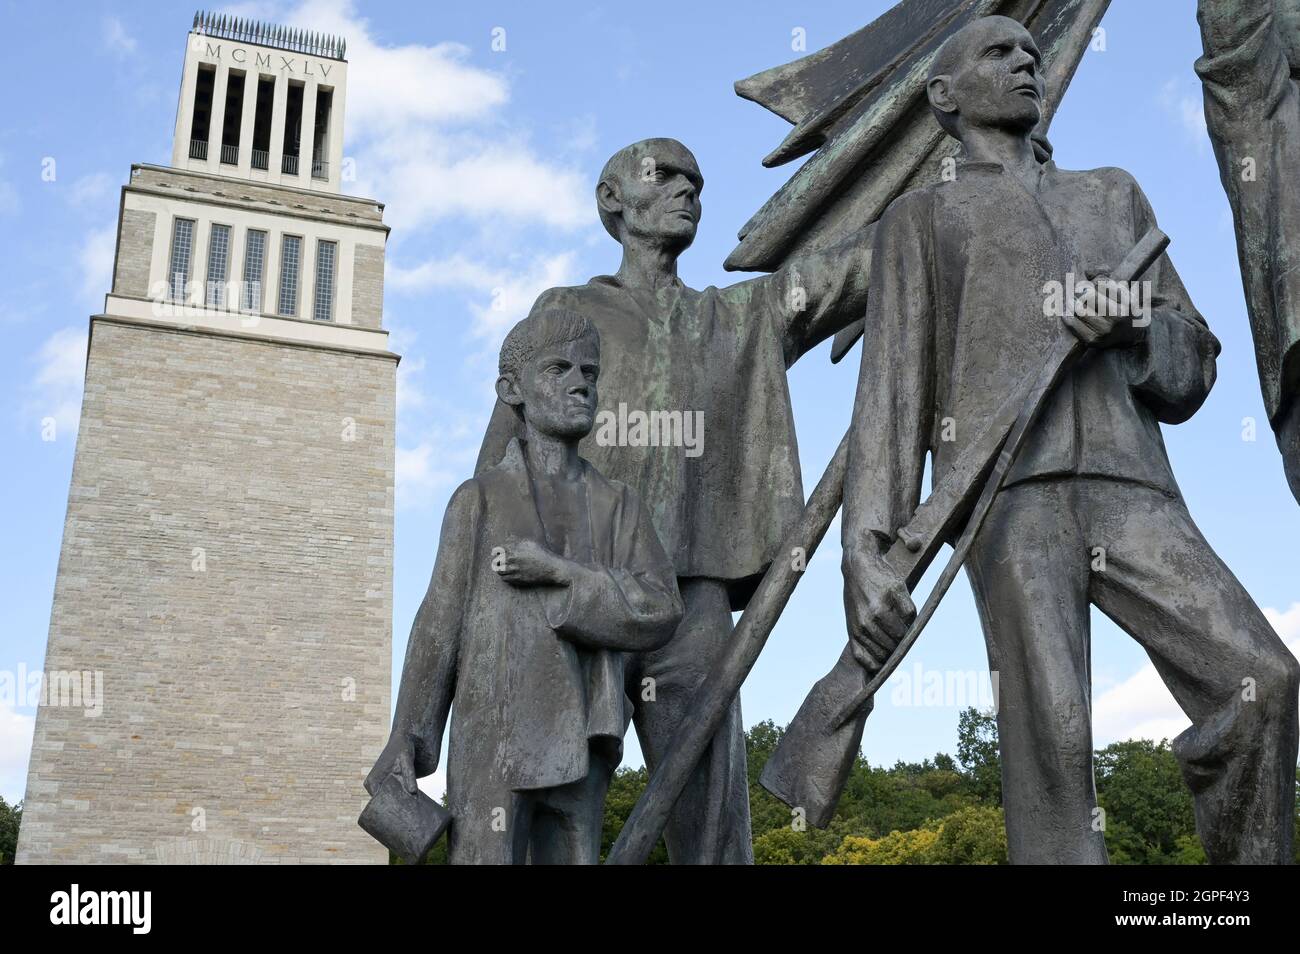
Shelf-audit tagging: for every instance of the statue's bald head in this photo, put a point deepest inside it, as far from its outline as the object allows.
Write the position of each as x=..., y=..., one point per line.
x=651, y=189
x=988, y=73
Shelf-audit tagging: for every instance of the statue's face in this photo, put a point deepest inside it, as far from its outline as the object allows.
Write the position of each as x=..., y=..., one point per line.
x=558, y=387
x=658, y=191
x=999, y=82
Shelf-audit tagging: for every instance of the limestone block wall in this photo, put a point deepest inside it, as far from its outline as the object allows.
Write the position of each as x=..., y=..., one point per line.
x=227, y=566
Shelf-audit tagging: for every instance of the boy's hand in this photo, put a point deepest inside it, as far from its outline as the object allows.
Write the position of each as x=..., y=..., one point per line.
x=527, y=563
x=398, y=758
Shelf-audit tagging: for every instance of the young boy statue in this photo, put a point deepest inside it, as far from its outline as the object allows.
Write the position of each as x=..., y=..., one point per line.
x=546, y=574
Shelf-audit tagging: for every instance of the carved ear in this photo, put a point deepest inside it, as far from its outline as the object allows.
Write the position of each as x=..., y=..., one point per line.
x=508, y=391
x=607, y=198
x=939, y=91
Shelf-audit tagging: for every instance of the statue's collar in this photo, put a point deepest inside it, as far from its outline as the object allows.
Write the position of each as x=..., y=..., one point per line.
x=967, y=166
x=617, y=283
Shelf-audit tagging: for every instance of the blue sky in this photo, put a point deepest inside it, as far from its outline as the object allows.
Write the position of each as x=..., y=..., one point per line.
x=487, y=160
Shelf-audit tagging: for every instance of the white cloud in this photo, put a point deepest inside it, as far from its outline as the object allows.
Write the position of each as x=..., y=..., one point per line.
x=428, y=175
x=417, y=479
x=55, y=390
x=1286, y=623
x=390, y=87
x=380, y=80
x=1181, y=99
x=424, y=128
x=15, y=751
x=505, y=293
x=430, y=134
x=90, y=189
x=409, y=394
x=96, y=261
x=116, y=38
x=1140, y=707
x=440, y=453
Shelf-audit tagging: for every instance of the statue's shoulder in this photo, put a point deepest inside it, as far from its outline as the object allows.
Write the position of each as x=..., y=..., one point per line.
x=914, y=206
x=507, y=476
x=465, y=504
x=1107, y=178
x=561, y=296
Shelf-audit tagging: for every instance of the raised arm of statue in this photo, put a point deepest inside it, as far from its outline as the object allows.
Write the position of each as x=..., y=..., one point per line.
x=813, y=296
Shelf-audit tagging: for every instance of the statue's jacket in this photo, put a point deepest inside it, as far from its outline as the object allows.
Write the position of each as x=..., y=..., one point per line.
x=532, y=676
x=1252, y=111
x=723, y=352
x=960, y=317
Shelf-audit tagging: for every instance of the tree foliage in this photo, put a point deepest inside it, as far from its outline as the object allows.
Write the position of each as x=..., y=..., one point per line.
x=11, y=817
x=942, y=810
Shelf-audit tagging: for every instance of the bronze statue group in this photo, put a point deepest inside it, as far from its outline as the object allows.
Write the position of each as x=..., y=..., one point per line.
x=581, y=585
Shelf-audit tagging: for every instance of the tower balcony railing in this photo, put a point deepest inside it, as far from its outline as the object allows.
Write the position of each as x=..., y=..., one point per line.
x=230, y=154
x=198, y=149
x=289, y=165
x=320, y=169
x=261, y=159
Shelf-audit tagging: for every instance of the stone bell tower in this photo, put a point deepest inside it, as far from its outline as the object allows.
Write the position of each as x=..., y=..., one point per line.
x=225, y=575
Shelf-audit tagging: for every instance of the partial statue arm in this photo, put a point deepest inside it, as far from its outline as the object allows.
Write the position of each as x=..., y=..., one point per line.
x=890, y=431
x=812, y=297
x=1245, y=70
x=889, y=435
x=631, y=605
x=429, y=672
x=1173, y=367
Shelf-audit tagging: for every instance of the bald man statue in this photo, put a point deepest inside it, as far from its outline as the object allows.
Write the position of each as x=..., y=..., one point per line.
x=1252, y=111
x=695, y=417
x=960, y=314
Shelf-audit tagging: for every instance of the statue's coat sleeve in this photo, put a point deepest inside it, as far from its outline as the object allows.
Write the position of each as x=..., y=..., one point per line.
x=890, y=431
x=432, y=652
x=814, y=296
x=630, y=603
x=1252, y=112
x=1174, y=367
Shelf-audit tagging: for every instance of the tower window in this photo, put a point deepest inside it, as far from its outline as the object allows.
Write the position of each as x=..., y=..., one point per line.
x=202, y=121
x=178, y=267
x=254, y=262
x=290, y=262
x=320, y=168
x=218, y=265
x=262, y=122
x=292, y=129
x=323, y=303
x=233, y=118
